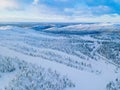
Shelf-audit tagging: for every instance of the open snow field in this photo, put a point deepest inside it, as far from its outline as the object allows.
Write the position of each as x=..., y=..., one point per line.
x=60, y=56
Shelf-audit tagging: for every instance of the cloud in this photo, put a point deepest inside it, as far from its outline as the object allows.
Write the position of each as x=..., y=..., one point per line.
x=59, y=10
x=8, y=4
x=84, y=10
x=35, y=2
x=102, y=18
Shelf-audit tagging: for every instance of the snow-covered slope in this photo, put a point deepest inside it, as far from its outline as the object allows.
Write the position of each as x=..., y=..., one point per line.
x=6, y=27
x=92, y=26
x=36, y=57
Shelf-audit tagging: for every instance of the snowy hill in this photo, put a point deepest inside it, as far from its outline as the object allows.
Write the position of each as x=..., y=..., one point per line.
x=84, y=56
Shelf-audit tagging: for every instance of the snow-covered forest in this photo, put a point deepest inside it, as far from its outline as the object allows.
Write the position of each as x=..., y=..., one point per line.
x=60, y=56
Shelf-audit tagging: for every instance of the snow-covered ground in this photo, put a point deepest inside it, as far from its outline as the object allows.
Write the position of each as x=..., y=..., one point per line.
x=83, y=58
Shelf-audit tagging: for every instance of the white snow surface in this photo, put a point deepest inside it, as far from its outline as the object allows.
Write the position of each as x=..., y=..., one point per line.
x=84, y=79
x=6, y=27
x=79, y=27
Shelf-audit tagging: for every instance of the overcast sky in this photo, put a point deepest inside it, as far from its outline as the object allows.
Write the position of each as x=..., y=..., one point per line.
x=60, y=10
